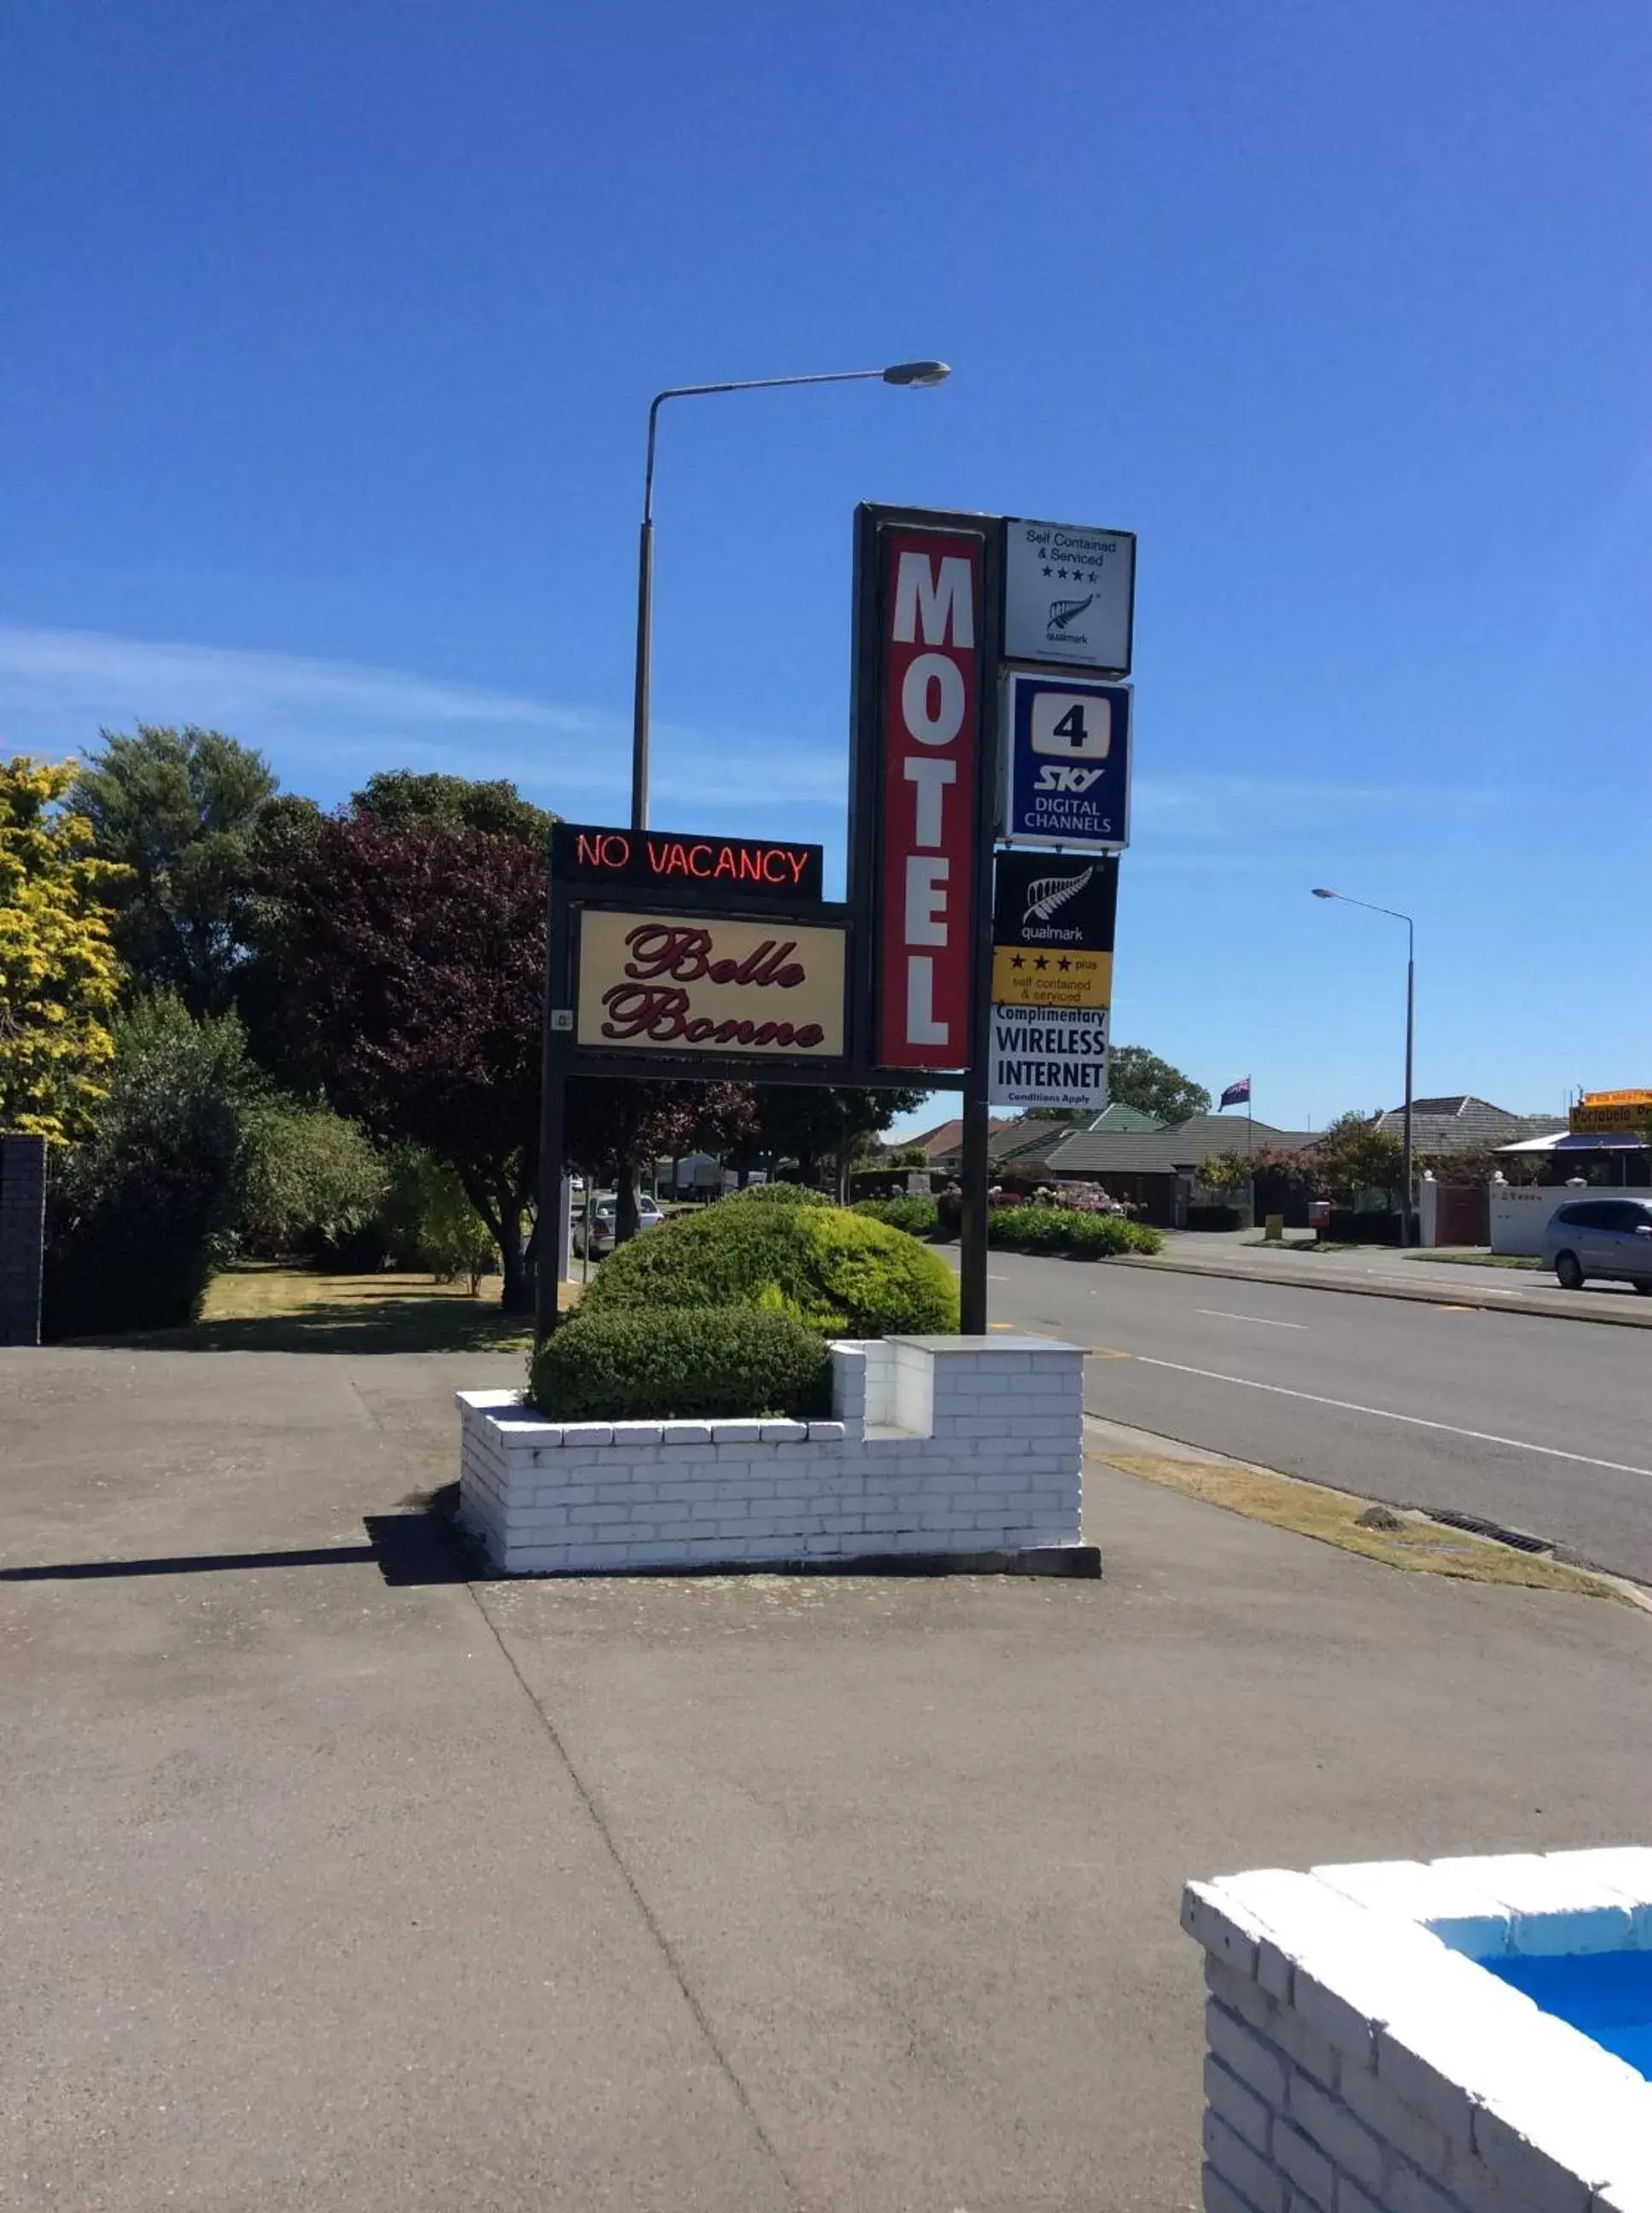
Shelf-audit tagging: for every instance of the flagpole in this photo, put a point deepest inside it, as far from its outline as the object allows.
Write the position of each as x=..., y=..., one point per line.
x=1250, y=1145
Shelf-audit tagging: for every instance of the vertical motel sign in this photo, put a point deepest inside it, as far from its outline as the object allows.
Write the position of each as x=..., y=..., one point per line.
x=920, y=763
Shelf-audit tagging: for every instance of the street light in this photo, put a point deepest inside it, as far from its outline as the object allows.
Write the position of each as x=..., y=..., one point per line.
x=1411, y=1032
x=901, y=372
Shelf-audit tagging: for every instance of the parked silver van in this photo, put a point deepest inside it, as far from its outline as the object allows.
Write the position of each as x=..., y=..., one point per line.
x=1601, y=1237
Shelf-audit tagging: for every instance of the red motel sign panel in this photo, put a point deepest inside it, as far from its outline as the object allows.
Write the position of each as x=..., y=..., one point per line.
x=929, y=742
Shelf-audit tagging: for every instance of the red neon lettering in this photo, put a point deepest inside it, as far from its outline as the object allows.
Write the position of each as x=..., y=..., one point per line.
x=726, y=863
x=694, y=869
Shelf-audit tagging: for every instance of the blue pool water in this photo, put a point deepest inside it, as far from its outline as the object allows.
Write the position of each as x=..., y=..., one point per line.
x=1607, y=1995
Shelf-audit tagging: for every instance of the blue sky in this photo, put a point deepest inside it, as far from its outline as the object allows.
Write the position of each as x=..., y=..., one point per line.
x=331, y=329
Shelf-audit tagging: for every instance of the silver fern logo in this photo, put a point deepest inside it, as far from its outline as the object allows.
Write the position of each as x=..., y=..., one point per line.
x=1050, y=894
x=1064, y=612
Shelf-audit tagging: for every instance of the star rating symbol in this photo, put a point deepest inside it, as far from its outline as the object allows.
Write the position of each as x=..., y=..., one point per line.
x=1064, y=964
x=1049, y=572
x=1018, y=962
x=1040, y=962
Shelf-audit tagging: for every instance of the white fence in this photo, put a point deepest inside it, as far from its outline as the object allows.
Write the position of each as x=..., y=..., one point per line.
x=1519, y=1212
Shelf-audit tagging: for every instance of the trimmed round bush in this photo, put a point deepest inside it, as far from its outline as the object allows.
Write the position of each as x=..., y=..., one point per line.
x=822, y=1264
x=684, y=1362
x=775, y=1194
x=918, y=1218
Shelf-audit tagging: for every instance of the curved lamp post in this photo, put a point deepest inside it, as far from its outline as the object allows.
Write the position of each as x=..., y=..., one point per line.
x=1394, y=914
x=901, y=372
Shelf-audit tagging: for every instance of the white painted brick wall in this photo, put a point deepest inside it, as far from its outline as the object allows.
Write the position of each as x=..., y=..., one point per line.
x=1359, y=2060
x=934, y=1445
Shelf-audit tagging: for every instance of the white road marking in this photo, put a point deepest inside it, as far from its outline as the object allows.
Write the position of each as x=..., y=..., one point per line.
x=1224, y=1313
x=1387, y=1414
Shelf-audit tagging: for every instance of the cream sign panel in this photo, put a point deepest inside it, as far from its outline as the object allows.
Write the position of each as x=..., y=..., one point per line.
x=693, y=984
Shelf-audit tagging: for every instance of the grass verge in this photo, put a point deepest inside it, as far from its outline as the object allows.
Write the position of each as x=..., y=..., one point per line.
x=1333, y=1517
x=1479, y=1260
x=266, y=1307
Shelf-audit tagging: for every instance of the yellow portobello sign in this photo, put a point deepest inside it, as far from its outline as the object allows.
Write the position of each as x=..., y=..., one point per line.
x=687, y=984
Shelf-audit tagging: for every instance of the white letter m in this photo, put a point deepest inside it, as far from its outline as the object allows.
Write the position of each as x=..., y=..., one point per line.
x=920, y=598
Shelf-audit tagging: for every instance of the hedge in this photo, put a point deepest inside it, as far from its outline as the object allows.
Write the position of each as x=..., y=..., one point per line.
x=775, y=1194
x=688, y=1363
x=836, y=1270
x=918, y=1218
x=1063, y=1229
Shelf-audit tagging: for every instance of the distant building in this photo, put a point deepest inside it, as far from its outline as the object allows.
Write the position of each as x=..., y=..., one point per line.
x=1462, y=1123
x=1154, y=1166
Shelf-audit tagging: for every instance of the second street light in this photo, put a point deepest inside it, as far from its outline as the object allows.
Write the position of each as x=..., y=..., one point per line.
x=1394, y=914
x=902, y=371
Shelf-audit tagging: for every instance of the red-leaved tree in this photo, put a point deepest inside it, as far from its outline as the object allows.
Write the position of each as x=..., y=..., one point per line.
x=403, y=955
x=407, y=960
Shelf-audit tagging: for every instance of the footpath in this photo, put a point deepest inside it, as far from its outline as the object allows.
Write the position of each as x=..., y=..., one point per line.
x=337, y=1881
x=1385, y=1273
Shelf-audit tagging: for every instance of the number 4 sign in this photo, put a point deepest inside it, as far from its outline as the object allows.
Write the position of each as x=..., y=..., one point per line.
x=1067, y=767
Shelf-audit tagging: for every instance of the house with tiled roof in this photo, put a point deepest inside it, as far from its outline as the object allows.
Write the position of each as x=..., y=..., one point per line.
x=1154, y=1166
x=1460, y=1123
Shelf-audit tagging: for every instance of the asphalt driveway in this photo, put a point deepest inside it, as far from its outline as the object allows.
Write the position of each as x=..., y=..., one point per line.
x=336, y=1882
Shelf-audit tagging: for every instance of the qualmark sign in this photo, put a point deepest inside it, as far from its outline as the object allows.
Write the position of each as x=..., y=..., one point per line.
x=1069, y=594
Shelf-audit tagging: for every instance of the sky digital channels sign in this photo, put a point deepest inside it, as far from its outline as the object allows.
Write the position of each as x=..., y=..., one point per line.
x=930, y=734
x=1067, y=765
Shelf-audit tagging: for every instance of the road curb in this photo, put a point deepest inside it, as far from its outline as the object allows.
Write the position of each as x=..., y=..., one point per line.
x=1453, y=1294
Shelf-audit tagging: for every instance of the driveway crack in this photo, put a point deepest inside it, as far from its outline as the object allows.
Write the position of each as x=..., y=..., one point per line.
x=650, y=1920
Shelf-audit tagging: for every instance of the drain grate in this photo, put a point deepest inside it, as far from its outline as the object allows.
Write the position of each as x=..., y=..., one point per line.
x=1481, y=1527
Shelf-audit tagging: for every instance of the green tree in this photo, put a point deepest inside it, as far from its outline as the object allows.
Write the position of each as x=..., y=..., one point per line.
x=1138, y=1078
x=1354, y=1155
x=498, y=809
x=430, y=1223
x=179, y=809
x=810, y=1122
x=313, y=1180
x=140, y=1214
x=1225, y=1172
x=59, y=979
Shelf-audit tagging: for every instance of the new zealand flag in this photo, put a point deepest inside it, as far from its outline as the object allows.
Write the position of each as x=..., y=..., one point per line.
x=1238, y=1095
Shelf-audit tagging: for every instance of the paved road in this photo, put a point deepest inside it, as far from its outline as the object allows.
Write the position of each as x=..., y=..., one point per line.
x=1538, y=1424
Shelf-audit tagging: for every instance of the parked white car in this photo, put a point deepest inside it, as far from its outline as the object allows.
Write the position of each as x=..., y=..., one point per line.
x=604, y=1209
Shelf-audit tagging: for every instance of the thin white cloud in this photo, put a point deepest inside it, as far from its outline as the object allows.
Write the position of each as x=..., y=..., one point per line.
x=326, y=724
x=331, y=721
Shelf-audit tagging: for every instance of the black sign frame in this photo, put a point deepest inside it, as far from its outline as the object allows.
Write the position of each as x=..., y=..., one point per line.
x=599, y=858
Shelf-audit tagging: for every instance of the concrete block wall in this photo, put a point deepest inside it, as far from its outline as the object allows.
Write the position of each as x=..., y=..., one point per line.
x=1359, y=2059
x=22, y=1235
x=935, y=1444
